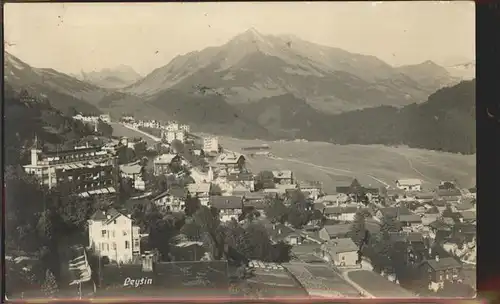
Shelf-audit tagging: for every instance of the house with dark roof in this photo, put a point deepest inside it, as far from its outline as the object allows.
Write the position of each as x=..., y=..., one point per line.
x=410, y=220
x=283, y=177
x=449, y=195
x=344, y=214
x=464, y=206
x=229, y=207
x=330, y=232
x=282, y=233
x=342, y=252
x=439, y=270
x=172, y=200
x=467, y=217
x=392, y=212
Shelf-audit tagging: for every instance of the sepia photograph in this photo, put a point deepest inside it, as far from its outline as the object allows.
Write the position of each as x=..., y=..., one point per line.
x=240, y=150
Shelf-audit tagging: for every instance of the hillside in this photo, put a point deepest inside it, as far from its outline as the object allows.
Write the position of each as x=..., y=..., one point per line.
x=63, y=91
x=252, y=66
x=204, y=112
x=445, y=122
x=114, y=78
x=26, y=117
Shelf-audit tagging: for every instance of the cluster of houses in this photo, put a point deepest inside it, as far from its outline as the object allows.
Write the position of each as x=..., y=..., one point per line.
x=169, y=132
x=440, y=225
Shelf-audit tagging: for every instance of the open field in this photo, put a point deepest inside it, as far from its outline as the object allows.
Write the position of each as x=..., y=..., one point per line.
x=375, y=165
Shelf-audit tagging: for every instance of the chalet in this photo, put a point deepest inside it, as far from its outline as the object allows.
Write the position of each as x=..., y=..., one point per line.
x=284, y=177
x=229, y=207
x=424, y=197
x=392, y=212
x=439, y=270
x=282, y=233
x=449, y=195
x=231, y=162
x=163, y=163
x=341, y=252
x=340, y=213
x=171, y=200
x=410, y=220
x=330, y=232
x=255, y=200
x=246, y=180
x=467, y=217
x=465, y=206
x=310, y=188
x=201, y=190
x=410, y=184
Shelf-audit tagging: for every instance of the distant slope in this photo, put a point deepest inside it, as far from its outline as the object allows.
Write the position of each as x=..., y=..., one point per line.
x=445, y=122
x=207, y=113
x=252, y=66
x=114, y=78
x=63, y=91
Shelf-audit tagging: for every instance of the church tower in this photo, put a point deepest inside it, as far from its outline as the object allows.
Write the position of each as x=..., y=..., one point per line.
x=35, y=151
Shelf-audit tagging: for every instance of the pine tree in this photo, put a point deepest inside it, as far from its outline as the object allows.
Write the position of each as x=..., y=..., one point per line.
x=50, y=287
x=358, y=229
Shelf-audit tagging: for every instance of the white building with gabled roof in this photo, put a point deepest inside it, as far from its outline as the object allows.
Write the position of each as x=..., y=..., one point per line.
x=113, y=234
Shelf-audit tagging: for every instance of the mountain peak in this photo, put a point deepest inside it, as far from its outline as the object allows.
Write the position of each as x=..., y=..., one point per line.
x=250, y=35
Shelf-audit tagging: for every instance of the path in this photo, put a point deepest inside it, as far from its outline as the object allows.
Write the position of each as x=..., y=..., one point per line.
x=361, y=290
x=410, y=163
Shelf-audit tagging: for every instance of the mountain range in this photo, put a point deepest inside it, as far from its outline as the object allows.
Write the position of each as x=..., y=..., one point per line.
x=271, y=87
x=114, y=78
x=252, y=66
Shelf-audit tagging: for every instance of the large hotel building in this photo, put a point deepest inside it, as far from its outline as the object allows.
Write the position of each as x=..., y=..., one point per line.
x=91, y=169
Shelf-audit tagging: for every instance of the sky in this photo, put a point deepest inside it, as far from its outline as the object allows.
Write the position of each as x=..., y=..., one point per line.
x=71, y=37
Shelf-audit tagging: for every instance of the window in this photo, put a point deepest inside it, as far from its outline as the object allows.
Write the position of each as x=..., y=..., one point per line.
x=114, y=222
x=103, y=233
x=124, y=232
x=114, y=246
x=127, y=245
x=136, y=243
x=343, y=258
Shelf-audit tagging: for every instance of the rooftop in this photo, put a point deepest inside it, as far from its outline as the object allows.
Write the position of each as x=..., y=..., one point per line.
x=282, y=174
x=226, y=202
x=229, y=158
x=409, y=182
x=340, y=245
x=337, y=230
x=378, y=286
x=199, y=188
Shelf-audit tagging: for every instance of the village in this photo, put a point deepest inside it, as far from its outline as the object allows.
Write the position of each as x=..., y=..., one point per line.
x=351, y=241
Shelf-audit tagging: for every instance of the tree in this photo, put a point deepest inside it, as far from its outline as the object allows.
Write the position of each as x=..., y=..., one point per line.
x=125, y=155
x=265, y=180
x=276, y=211
x=451, y=289
x=358, y=191
x=177, y=146
x=192, y=204
x=358, y=229
x=390, y=224
x=447, y=212
x=104, y=129
x=50, y=287
x=281, y=252
x=298, y=211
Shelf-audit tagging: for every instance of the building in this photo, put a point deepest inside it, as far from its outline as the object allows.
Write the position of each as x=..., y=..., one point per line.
x=172, y=200
x=185, y=128
x=112, y=234
x=409, y=184
x=284, y=177
x=87, y=168
x=201, y=190
x=341, y=252
x=310, y=188
x=105, y=118
x=241, y=180
x=282, y=233
x=211, y=144
x=345, y=214
x=162, y=164
x=133, y=171
x=439, y=270
x=229, y=207
x=330, y=232
x=231, y=162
